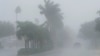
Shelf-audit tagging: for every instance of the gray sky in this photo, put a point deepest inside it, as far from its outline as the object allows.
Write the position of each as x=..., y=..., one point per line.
x=75, y=12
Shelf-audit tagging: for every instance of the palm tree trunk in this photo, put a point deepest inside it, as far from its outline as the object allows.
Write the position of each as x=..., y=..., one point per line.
x=16, y=22
x=16, y=16
x=26, y=43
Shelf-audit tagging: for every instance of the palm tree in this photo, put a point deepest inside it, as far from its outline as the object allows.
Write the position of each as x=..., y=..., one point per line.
x=97, y=20
x=31, y=32
x=54, y=17
x=52, y=13
x=26, y=31
x=17, y=11
x=98, y=12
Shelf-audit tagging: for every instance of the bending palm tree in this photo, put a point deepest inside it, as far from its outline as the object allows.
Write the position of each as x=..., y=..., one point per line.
x=54, y=17
x=17, y=11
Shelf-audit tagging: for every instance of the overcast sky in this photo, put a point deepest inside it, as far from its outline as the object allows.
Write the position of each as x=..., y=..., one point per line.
x=75, y=12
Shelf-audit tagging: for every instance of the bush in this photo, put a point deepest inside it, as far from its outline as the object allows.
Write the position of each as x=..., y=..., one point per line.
x=1, y=47
x=25, y=51
x=30, y=51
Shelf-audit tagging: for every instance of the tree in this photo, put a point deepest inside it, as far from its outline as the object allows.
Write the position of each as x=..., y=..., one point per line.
x=97, y=27
x=97, y=20
x=17, y=11
x=88, y=33
x=98, y=12
x=97, y=24
x=6, y=29
x=54, y=17
x=26, y=30
x=32, y=32
x=91, y=32
x=52, y=13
